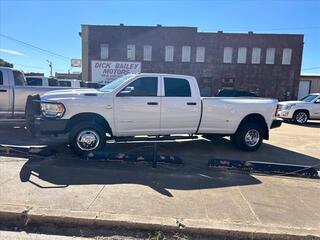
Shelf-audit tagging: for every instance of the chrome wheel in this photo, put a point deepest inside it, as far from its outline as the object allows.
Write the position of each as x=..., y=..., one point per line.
x=301, y=117
x=88, y=140
x=252, y=138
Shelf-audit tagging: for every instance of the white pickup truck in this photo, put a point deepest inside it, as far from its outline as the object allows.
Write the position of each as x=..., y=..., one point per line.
x=153, y=104
x=13, y=95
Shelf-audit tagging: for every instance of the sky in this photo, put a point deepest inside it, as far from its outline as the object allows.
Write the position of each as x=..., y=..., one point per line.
x=35, y=32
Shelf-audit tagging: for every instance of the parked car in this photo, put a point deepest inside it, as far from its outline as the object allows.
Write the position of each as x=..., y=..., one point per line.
x=153, y=104
x=301, y=111
x=13, y=95
x=72, y=83
x=42, y=81
x=235, y=93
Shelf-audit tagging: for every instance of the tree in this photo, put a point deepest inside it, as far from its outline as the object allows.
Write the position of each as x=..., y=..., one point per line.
x=4, y=63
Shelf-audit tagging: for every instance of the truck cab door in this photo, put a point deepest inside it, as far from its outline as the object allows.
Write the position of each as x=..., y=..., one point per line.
x=180, y=107
x=5, y=98
x=137, y=108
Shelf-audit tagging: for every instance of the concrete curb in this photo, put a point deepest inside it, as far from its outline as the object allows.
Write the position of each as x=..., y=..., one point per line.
x=22, y=216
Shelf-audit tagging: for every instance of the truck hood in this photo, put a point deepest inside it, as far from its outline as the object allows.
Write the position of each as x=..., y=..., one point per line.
x=70, y=93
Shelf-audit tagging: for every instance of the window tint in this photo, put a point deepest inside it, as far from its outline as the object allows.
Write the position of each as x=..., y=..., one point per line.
x=143, y=87
x=177, y=87
x=19, y=79
x=64, y=83
x=1, y=78
x=34, y=81
x=53, y=82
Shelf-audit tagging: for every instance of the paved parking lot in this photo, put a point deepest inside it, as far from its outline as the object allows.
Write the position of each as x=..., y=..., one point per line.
x=192, y=193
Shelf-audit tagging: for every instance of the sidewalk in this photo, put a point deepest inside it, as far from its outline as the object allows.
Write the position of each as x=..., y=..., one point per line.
x=136, y=196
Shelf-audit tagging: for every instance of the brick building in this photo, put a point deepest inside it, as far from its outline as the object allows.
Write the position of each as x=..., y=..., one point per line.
x=268, y=64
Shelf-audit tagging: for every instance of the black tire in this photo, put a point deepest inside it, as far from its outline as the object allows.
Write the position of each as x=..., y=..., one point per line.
x=87, y=128
x=239, y=138
x=300, y=117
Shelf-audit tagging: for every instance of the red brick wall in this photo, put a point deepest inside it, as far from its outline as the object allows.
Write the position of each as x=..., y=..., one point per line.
x=275, y=80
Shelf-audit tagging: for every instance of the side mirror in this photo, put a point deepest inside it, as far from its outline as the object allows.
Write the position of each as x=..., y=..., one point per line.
x=317, y=101
x=126, y=91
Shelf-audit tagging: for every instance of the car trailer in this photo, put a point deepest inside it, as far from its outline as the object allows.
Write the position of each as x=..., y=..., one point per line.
x=271, y=168
x=135, y=156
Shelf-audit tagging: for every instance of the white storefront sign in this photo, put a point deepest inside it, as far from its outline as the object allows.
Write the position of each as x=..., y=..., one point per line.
x=75, y=62
x=106, y=71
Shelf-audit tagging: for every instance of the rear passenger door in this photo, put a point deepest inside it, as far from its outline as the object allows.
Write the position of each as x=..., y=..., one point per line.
x=180, y=107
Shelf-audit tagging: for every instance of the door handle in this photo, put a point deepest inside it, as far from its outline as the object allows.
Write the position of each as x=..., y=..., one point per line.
x=152, y=103
x=191, y=103
x=3, y=90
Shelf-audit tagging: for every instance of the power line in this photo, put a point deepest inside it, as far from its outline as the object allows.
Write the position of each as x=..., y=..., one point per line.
x=35, y=47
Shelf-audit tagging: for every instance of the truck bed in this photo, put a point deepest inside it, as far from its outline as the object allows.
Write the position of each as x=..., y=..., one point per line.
x=223, y=114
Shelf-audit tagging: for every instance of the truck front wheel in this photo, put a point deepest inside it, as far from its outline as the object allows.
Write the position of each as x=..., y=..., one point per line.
x=248, y=137
x=86, y=137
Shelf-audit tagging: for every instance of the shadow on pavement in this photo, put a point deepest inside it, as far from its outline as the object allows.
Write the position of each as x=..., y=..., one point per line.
x=310, y=124
x=64, y=173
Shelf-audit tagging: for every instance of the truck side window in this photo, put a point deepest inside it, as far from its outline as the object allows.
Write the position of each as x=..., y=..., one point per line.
x=52, y=82
x=177, y=87
x=143, y=87
x=34, y=81
x=1, y=78
x=64, y=83
x=19, y=79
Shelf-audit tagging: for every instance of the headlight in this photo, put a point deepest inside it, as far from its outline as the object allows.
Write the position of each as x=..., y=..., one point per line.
x=52, y=109
x=288, y=106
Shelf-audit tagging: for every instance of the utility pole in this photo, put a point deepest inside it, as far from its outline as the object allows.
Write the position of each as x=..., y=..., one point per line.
x=50, y=65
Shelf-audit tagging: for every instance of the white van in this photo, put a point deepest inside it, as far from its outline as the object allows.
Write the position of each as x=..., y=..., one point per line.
x=42, y=81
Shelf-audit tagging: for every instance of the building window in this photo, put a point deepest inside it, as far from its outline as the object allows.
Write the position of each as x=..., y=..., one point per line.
x=271, y=52
x=147, y=53
x=242, y=55
x=227, y=55
x=169, y=53
x=104, y=51
x=256, y=55
x=131, y=52
x=186, y=54
x=286, y=56
x=200, y=54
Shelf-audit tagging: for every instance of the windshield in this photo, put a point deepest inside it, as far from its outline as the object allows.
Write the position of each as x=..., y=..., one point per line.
x=115, y=83
x=308, y=98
